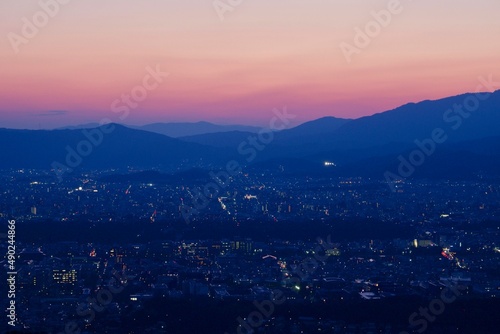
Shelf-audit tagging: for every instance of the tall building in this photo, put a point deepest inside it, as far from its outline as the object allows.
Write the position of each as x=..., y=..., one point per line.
x=63, y=276
x=243, y=246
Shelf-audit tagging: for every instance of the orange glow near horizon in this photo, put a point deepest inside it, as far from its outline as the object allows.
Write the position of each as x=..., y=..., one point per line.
x=261, y=56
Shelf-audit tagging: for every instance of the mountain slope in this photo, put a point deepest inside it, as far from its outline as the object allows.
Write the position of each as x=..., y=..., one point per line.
x=356, y=146
x=119, y=148
x=398, y=127
x=314, y=129
x=384, y=132
x=418, y=120
x=230, y=140
x=450, y=160
x=176, y=130
x=310, y=131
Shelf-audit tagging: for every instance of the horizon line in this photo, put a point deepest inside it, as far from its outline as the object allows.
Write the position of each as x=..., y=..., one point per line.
x=97, y=123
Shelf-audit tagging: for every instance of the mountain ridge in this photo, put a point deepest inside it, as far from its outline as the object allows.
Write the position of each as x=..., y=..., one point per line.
x=371, y=140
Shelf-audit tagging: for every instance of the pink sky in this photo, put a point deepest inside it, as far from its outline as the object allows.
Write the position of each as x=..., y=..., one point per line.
x=263, y=55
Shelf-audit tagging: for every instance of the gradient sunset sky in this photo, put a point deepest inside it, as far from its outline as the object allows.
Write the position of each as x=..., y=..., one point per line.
x=264, y=54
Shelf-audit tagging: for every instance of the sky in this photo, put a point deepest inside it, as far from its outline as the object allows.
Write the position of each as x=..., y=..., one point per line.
x=235, y=61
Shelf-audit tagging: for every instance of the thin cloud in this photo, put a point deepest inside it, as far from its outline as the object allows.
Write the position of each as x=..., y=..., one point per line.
x=50, y=113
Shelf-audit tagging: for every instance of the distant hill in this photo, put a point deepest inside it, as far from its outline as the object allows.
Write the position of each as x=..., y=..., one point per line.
x=229, y=140
x=418, y=120
x=366, y=146
x=379, y=134
x=394, y=129
x=453, y=160
x=312, y=131
x=80, y=126
x=176, y=130
x=122, y=147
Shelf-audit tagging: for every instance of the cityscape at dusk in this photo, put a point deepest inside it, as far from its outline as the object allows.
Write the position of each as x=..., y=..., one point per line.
x=240, y=167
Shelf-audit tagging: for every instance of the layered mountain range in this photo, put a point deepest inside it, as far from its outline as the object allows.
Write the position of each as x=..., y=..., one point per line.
x=456, y=136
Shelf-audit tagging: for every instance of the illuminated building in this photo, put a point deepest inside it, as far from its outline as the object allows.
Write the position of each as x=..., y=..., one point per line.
x=64, y=276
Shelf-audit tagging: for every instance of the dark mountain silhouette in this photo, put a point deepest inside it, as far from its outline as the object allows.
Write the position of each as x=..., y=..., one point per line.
x=176, y=130
x=230, y=139
x=418, y=120
x=121, y=147
x=379, y=134
x=395, y=129
x=457, y=160
x=316, y=128
x=311, y=131
x=367, y=146
x=79, y=126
